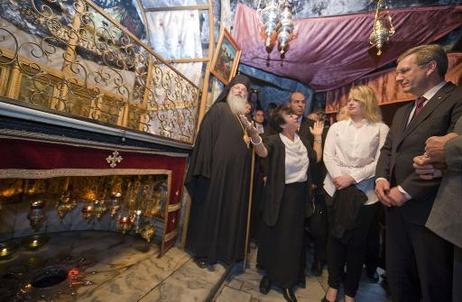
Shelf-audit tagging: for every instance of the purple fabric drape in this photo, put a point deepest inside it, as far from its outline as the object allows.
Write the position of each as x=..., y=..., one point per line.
x=329, y=52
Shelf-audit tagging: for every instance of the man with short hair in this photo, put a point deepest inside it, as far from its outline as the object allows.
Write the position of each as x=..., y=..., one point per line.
x=218, y=180
x=297, y=102
x=419, y=263
x=259, y=120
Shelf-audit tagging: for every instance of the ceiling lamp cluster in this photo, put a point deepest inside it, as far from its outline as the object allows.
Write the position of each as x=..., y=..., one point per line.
x=382, y=28
x=276, y=23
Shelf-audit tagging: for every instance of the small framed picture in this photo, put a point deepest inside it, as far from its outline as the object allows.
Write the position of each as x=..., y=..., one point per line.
x=226, y=58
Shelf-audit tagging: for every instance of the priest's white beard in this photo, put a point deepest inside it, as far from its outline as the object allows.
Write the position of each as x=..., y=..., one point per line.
x=236, y=103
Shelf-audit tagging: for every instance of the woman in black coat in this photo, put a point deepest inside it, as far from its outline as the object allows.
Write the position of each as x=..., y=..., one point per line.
x=286, y=195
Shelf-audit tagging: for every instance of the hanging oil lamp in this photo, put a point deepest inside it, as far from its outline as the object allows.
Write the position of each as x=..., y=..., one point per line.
x=269, y=17
x=136, y=218
x=87, y=212
x=147, y=231
x=285, y=32
x=276, y=23
x=100, y=208
x=382, y=28
x=115, y=203
x=65, y=205
x=124, y=224
x=37, y=215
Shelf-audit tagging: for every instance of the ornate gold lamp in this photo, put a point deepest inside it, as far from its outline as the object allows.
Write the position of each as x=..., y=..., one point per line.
x=87, y=212
x=124, y=224
x=136, y=217
x=115, y=203
x=65, y=204
x=276, y=23
x=37, y=215
x=147, y=231
x=100, y=208
x=382, y=28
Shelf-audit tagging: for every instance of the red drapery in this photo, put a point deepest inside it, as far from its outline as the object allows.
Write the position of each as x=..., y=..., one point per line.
x=330, y=52
x=385, y=86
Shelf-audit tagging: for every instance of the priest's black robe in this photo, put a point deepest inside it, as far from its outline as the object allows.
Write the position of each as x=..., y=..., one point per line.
x=218, y=182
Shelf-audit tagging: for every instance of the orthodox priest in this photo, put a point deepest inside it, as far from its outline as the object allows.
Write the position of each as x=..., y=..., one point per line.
x=218, y=180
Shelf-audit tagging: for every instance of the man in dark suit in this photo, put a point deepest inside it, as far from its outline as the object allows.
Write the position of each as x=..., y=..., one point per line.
x=419, y=263
x=297, y=102
x=445, y=153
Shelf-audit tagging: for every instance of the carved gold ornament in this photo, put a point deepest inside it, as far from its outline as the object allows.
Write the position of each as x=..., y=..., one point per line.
x=114, y=159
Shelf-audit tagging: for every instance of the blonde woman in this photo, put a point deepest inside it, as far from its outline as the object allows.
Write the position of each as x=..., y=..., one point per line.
x=351, y=151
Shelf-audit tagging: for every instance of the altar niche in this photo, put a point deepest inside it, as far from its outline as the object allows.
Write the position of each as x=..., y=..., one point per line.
x=130, y=204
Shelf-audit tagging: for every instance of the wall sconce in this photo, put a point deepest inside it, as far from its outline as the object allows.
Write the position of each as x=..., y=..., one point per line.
x=382, y=28
x=276, y=23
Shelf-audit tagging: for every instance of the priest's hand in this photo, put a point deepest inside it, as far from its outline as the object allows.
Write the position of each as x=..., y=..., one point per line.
x=253, y=132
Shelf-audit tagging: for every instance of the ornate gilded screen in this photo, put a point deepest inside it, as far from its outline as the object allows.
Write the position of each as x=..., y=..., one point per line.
x=68, y=57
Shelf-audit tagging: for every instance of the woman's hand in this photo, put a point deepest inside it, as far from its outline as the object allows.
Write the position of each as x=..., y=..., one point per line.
x=342, y=182
x=253, y=132
x=317, y=129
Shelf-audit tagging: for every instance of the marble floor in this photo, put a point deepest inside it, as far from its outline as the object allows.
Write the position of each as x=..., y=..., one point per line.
x=113, y=267
x=245, y=287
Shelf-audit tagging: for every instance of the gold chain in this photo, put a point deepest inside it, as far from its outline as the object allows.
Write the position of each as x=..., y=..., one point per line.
x=246, y=136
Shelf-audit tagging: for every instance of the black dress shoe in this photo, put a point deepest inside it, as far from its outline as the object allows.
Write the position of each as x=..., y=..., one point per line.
x=373, y=277
x=289, y=295
x=201, y=262
x=265, y=285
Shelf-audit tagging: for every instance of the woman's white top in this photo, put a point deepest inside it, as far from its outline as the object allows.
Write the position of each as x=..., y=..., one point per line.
x=354, y=150
x=297, y=162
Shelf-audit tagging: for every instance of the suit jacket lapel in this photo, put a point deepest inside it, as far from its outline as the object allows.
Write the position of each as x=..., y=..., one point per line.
x=432, y=104
x=403, y=124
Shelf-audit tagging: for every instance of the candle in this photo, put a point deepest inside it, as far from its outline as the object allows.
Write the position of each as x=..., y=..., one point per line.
x=34, y=243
